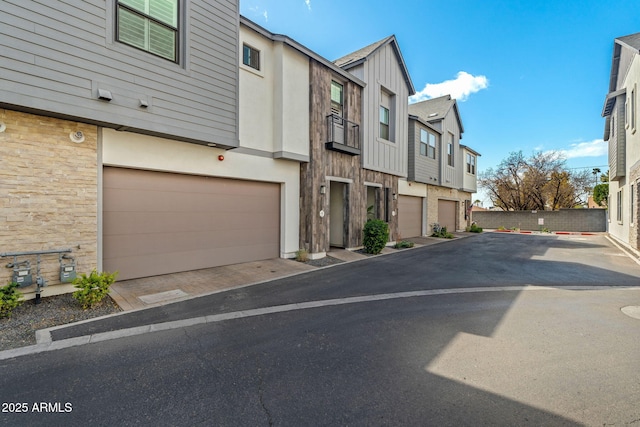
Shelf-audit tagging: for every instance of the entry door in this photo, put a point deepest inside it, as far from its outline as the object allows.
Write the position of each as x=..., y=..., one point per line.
x=337, y=213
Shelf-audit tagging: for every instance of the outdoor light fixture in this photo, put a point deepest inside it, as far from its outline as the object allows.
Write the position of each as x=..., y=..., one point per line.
x=323, y=189
x=3, y=127
x=395, y=196
x=77, y=137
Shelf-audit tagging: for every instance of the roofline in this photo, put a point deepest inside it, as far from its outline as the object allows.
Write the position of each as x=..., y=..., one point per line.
x=300, y=48
x=610, y=100
x=471, y=150
x=403, y=64
x=425, y=123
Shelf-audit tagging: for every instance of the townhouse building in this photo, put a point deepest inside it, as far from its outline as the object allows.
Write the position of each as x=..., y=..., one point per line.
x=442, y=173
x=159, y=137
x=121, y=138
x=620, y=111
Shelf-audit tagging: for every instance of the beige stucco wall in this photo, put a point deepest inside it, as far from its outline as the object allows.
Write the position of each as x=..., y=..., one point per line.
x=274, y=101
x=48, y=195
x=132, y=150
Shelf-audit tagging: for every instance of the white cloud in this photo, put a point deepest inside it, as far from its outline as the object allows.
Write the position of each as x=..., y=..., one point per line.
x=595, y=148
x=459, y=88
x=308, y=3
x=258, y=11
x=266, y=16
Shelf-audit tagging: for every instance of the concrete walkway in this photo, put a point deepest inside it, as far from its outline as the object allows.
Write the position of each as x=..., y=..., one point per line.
x=154, y=291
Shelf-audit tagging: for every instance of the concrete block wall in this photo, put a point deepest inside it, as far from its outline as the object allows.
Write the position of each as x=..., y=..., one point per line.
x=572, y=220
x=48, y=194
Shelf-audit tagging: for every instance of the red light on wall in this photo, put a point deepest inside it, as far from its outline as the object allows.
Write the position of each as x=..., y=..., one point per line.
x=221, y=157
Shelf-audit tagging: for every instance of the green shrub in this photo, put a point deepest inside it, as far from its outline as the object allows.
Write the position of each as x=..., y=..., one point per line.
x=403, y=244
x=376, y=236
x=10, y=298
x=93, y=288
x=475, y=229
x=443, y=233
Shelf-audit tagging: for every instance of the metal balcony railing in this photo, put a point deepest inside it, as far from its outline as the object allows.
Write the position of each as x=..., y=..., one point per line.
x=343, y=135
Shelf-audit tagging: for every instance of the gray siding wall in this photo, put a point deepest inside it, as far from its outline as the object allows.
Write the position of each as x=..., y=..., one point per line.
x=450, y=175
x=617, y=141
x=56, y=55
x=382, y=70
x=425, y=169
x=571, y=220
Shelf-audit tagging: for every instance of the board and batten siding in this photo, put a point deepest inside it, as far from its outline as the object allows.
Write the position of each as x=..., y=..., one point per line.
x=56, y=55
x=422, y=168
x=382, y=71
x=450, y=176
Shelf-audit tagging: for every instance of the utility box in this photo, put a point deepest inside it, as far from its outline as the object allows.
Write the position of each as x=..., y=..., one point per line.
x=22, y=274
x=67, y=272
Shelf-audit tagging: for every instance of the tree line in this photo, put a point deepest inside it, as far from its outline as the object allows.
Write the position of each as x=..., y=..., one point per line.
x=540, y=182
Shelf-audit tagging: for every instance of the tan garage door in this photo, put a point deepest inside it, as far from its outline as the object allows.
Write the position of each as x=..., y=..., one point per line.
x=158, y=223
x=410, y=216
x=447, y=214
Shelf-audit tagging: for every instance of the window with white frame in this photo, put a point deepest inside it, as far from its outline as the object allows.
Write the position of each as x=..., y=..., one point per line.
x=384, y=123
x=337, y=98
x=471, y=164
x=619, y=207
x=427, y=144
x=450, y=154
x=633, y=109
x=149, y=25
x=631, y=202
x=387, y=115
x=251, y=57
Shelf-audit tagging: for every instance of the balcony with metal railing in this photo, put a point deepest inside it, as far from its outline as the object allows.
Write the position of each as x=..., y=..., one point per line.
x=343, y=135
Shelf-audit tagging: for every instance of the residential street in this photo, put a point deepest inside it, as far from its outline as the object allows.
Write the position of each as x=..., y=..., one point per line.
x=493, y=329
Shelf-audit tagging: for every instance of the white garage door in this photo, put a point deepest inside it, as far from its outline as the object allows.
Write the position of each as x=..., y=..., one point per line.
x=157, y=223
x=410, y=216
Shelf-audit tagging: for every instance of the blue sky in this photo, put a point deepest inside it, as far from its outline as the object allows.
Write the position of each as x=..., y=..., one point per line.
x=528, y=75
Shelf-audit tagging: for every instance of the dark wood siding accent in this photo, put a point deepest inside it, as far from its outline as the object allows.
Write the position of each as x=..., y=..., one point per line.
x=323, y=163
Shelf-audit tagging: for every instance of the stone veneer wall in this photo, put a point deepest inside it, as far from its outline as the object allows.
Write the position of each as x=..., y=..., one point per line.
x=435, y=193
x=48, y=195
x=634, y=179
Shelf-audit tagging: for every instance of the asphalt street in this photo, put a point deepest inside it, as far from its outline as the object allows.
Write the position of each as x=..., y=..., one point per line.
x=489, y=330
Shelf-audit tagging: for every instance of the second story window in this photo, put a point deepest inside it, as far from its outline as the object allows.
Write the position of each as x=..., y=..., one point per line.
x=150, y=25
x=337, y=98
x=471, y=164
x=384, y=123
x=427, y=144
x=450, y=151
x=251, y=57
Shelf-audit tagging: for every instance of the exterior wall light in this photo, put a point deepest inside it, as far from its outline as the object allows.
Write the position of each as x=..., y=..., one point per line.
x=3, y=127
x=323, y=189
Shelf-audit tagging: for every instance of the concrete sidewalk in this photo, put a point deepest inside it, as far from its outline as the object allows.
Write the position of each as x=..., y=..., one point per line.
x=154, y=291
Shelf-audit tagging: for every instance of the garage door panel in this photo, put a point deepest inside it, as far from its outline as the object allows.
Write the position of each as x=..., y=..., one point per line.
x=410, y=216
x=447, y=214
x=158, y=223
